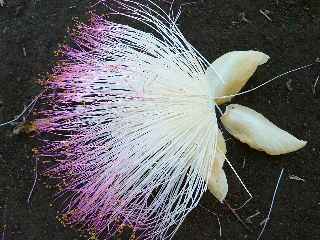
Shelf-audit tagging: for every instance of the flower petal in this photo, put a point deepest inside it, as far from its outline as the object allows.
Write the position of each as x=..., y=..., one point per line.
x=230, y=72
x=258, y=132
x=217, y=183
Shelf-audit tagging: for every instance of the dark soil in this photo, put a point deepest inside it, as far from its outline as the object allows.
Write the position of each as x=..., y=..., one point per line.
x=30, y=32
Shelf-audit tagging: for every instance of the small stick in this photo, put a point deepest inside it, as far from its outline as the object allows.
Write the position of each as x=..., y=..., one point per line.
x=248, y=219
x=220, y=228
x=24, y=51
x=34, y=181
x=27, y=110
x=4, y=220
x=244, y=204
x=265, y=13
x=244, y=162
x=217, y=216
x=315, y=85
x=271, y=206
x=263, y=222
x=235, y=214
x=243, y=17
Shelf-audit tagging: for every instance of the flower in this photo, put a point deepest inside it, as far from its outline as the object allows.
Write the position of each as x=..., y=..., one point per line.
x=227, y=75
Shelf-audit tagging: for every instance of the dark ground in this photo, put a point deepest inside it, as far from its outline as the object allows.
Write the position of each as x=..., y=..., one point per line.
x=30, y=32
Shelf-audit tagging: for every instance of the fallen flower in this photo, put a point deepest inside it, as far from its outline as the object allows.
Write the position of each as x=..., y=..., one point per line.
x=258, y=132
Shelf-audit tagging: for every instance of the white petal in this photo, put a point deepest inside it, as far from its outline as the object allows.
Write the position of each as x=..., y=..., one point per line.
x=221, y=151
x=217, y=183
x=258, y=132
x=230, y=72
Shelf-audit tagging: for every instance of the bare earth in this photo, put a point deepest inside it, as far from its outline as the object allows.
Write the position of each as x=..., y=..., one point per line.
x=287, y=30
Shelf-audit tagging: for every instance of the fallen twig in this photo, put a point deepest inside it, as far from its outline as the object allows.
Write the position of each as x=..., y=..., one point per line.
x=265, y=222
x=315, y=85
x=24, y=51
x=248, y=219
x=235, y=214
x=34, y=181
x=4, y=217
x=217, y=216
x=244, y=162
x=265, y=13
x=243, y=17
x=25, y=111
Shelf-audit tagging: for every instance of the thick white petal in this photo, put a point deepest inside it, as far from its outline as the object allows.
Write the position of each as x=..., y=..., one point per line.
x=258, y=132
x=217, y=183
x=230, y=72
